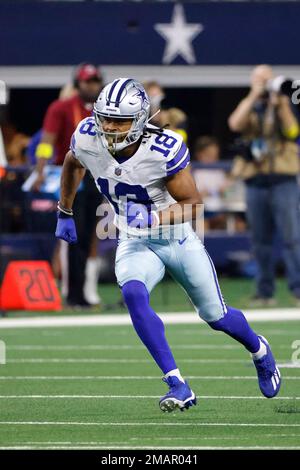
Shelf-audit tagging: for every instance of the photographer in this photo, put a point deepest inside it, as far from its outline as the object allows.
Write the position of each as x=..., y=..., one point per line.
x=269, y=166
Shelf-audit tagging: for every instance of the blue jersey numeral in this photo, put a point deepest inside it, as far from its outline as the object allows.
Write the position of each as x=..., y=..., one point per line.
x=88, y=127
x=133, y=192
x=166, y=141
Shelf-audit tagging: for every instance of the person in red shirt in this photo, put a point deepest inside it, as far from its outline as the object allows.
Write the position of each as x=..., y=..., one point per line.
x=63, y=115
x=79, y=272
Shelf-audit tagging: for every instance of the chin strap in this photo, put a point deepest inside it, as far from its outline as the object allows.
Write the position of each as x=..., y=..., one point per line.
x=111, y=148
x=160, y=129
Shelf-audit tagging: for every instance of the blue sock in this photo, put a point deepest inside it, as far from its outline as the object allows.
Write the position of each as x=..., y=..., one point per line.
x=235, y=325
x=148, y=325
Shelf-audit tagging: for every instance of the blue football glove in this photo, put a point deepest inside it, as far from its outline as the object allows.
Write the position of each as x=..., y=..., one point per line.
x=65, y=228
x=138, y=216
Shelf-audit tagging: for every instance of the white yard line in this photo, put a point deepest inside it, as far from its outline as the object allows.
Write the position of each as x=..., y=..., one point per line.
x=113, y=447
x=85, y=397
x=281, y=363
x=97, y=360
x=161, y=438
x=124, y=319
x=131, y=377
x=144, y=424
x=118, y=347
x=125, y=347
x=289, y=365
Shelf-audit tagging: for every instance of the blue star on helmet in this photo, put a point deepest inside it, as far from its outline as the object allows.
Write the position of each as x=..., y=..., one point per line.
x=142, y=94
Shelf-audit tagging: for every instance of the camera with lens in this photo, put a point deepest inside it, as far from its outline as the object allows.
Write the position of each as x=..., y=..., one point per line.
x=282, y=85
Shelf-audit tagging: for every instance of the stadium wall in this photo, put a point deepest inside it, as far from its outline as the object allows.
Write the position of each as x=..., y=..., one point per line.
x=44, y=39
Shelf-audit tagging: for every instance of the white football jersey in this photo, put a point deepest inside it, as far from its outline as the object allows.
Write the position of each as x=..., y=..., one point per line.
x=141, y=178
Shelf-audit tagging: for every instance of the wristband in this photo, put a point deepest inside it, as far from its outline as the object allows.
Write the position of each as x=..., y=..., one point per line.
x=44, y=150
x=292, y=132
x=64, y=209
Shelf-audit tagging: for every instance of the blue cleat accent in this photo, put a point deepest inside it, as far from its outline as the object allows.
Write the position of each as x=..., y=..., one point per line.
x=268, y=374
x=179, y=396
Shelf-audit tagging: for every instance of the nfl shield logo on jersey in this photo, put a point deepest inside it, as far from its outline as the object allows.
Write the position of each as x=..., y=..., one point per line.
x=118, y=171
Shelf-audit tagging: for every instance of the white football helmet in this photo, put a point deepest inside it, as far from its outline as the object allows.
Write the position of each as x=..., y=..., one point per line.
x=124, y=98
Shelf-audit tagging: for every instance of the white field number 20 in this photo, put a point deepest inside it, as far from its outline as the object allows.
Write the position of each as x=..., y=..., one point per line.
x=296, y=353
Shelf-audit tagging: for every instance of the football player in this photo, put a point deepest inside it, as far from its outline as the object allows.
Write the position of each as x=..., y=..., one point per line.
x=143, y=172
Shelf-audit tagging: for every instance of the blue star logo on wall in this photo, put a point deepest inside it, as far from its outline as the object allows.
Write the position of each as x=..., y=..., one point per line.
x=179, y=36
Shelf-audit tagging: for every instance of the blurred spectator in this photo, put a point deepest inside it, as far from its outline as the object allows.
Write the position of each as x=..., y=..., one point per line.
x=63, y=115
x=32, y=146
x=12, y=157
x=269, y=165
x=176, y=120
x=67, y=91
x=16, y=149
x=210, y=180
x=79, y=271
x=173, y=118
x=156, y=95
x=13, y=148
x=207, y=150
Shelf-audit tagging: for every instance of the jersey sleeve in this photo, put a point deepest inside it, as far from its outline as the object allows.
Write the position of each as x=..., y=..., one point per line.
x=79, y=144
x=73, y=144
x=178, y=159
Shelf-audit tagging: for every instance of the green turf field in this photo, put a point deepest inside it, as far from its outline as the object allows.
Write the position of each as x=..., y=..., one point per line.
x=96, y=387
